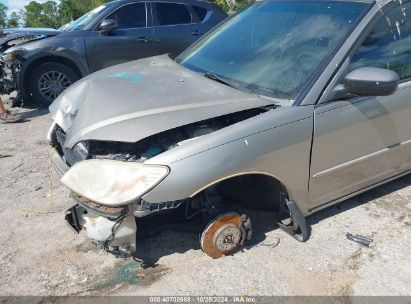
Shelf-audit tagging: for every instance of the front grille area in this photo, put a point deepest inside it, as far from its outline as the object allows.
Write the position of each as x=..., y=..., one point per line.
x=71, y=156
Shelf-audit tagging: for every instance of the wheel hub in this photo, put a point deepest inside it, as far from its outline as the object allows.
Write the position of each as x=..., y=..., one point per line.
x=227, y=238
x=52, y=83
x=224, y=235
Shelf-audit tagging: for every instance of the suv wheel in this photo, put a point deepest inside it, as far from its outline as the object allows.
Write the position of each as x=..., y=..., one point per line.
x=49, y=80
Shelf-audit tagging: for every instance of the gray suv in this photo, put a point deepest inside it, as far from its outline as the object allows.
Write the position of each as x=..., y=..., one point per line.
x=113, y=33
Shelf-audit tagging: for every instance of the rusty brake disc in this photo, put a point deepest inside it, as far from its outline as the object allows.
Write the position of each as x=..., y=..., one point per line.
x=224, y=235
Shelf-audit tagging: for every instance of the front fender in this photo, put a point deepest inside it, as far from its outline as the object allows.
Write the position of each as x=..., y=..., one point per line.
x=282, y=152
x=75, y=55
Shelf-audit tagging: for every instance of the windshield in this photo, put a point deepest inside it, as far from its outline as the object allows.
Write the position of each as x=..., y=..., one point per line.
x=274, y=48
x=84, y=20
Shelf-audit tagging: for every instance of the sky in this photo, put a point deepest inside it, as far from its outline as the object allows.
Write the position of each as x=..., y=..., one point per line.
x=16, y=5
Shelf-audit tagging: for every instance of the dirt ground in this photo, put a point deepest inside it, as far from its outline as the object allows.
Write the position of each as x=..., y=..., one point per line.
x=40, y=256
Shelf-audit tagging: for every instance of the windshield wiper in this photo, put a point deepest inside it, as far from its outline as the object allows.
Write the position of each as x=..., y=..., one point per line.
x=214, y=77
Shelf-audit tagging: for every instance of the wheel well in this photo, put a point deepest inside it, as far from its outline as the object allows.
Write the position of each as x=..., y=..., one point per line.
x=47, y=59
x=257, y=191
x=263, y=192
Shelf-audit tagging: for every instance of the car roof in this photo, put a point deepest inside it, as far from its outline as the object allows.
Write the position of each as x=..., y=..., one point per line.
x=383, y=2
x=173, y=1
x=178, y=1
x=380, y=3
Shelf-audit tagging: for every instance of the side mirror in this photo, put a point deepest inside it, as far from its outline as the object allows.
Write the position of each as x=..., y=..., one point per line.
x=107, y=25
x=371, y=82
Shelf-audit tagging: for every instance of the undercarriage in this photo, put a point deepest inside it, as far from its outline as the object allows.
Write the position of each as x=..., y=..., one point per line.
x=225, y=228
x=8, y=78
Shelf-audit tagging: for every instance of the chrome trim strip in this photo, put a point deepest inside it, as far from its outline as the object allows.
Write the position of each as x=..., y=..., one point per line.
x=363, y=158
x=58, y=163
x=348, y=196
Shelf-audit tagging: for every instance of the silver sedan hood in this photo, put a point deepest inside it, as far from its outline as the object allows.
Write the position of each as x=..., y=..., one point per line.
x=134, y=100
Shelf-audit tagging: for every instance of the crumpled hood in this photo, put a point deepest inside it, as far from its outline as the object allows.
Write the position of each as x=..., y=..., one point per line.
x=134, y=100
x=20, y=33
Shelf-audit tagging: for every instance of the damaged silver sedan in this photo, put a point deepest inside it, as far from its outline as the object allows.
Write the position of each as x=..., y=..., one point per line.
x=290, y=106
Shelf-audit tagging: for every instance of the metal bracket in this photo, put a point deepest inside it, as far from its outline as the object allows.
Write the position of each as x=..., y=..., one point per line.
x=71, y=219
x=298, y=218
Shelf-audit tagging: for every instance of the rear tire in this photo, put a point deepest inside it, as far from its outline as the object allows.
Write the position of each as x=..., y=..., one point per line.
x=49, y=80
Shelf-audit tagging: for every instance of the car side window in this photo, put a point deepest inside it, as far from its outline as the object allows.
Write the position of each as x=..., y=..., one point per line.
x=130, y=16
x=200, y=11
x=388, y=45
x=172, y=14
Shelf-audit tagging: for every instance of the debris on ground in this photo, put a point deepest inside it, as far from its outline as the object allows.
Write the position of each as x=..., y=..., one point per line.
x=272, y=243
x=363, y=240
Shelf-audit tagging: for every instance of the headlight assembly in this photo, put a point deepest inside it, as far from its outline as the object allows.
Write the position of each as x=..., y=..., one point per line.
x=113, y=183
x=10, y=56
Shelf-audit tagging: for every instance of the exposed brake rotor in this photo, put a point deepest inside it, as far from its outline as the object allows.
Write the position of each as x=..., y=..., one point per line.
x=225, y=234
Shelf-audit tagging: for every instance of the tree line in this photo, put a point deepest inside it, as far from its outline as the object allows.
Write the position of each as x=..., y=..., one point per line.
x=54, y=14
x=50, y=14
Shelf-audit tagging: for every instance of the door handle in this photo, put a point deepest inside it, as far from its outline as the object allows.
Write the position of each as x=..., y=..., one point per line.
x=143, y=39
x=197, y=33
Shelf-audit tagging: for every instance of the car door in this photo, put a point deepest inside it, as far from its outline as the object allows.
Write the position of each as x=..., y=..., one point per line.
x=361, y=141
x=176, y=27
x=132, y=39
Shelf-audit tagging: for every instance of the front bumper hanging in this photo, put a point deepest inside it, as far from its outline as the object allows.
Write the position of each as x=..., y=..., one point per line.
x=113, y=229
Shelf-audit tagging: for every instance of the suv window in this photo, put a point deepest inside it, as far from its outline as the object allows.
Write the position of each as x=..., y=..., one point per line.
x=200, y=11
x=130, y=16
x=388, y=45
x=172, y=14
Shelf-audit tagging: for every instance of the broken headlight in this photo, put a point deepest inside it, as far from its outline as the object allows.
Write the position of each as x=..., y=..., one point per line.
x=113, y=183
x=12, y=54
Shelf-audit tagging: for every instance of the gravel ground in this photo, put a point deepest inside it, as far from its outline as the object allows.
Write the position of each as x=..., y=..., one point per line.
x=41, y=256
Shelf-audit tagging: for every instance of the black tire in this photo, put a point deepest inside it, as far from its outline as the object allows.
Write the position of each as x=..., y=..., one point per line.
x=50, y=72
